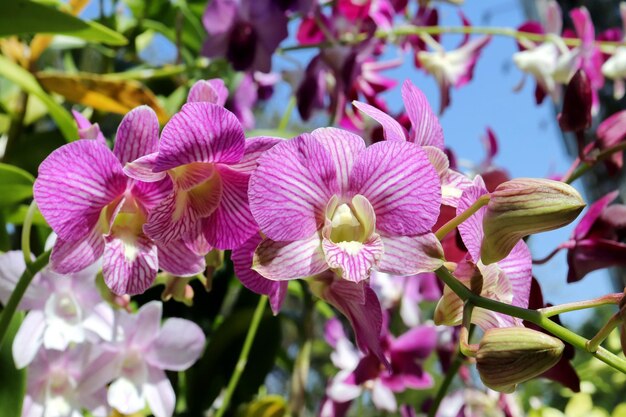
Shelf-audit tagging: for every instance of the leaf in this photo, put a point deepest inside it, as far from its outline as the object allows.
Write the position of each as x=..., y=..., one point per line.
x=269, y=406
x=13, y=389
x=17, y=216
x=102, y=92
x=28, y=83
x=15, y=185
x=18, y=17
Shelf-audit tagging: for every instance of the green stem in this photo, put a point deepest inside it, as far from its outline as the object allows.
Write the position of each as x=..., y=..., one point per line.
x=404, y=30
x=18, y=292
x=604, y=332
x=586, y=166
x=445, y=385
x=532, y=316
x=284, y=121
x=452, y=224
x=581, y=305
x=243, y=356
x=464, y=345
x=26, y=227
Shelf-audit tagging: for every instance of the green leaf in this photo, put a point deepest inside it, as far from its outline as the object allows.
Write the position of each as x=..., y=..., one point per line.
x=15, y=185
x=19, y=17
x=28, y=83
x=13, y=389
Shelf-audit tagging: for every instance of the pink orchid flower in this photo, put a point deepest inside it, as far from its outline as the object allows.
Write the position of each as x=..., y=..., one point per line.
x=508, y=280
x=205, y=154
x=96, y=210
x=325, y=201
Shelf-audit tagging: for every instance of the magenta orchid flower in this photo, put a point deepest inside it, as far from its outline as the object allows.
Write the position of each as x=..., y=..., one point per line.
x=87, y=130
x=611, y=132
x=56, y=385
x=325, y=201
x=205, y=154
x=96, y=210
x=508, y=280
x=246, y=32
x=135, y=362
x=210, y=91
x=451, y=68
x=63, y=309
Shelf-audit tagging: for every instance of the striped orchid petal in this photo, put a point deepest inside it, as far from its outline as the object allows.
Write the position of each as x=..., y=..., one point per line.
x=142, y=169
x=150, y=194
x=343, y=148
x=231, y=224
x=426, y=130
x=392, y=130
x=242, y=260
x=211, y=91
x=178, y=259
x=471, y=230
x=517, y=267
x=289, y=260
x=200, y=132
x=402, y=186
x=172, y=219
x=255, y=147
x=74, y=256
x=353, y=260
x=291, y=187
x=86, y=130
x=137, y=135
x=75, y=183
x=130, y=264
x=453, y=184
x=410, y=255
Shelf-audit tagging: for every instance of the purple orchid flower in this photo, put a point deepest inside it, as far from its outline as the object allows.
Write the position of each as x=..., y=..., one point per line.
x=595, y=243
x=246, y=32
x=56, y=385
x=87, y=130
x=96, y=210
x=508, y=280
x=325, y=201
x=135, y=361
x=204, y=152
x=210, y=91
x=611, y=132
x=358, y=372
x=63, y=309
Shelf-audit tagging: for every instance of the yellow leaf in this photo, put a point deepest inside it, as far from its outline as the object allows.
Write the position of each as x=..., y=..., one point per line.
x=102, y=93
x=269, y=406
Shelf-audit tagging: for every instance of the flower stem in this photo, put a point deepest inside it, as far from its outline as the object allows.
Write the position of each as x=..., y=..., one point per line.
x=445, y=385
x=16, y=296
x=452, y=224
x=587, y=165
x=605, y=331
x=243, y=356
x=532, y=316
x=581, y=305
x=26, y=227
x=284, y=121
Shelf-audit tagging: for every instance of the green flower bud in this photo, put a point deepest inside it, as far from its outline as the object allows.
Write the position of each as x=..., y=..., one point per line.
x=511, y=355
x=524, y=206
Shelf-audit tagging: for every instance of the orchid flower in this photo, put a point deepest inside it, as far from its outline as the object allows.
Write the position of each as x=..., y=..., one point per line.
x=135, y=361
x=507, y=281
x=96, y=210
x=325, y=201
x=205, y=154
x=451, y=68
x=87, y=130
x=246, y=32
x=56, y=385
x=615, y=67
x=426, y=132
x=64, y=309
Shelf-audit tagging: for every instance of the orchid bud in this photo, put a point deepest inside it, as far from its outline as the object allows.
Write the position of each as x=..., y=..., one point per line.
x=576, y=114
x=525, y=206
x=512, y=355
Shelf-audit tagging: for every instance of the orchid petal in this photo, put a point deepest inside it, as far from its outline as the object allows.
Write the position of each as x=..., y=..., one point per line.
x=383, y=398
x=426, y=130
x=212, y=91
x=130, y=264
x=255, y=147
x=289, y=260
x=87, y=130
x=231, y=224
x=142, y=168
x=291, y=187
x=242, y=260
x=178, y=346
x=75, y=183
x=200, y=132
x=12, y=266
x=401, y=184
x=74, y=256
x=471, y=230
x=343, y=148
x=410, y=255
x=125, y=396
x=517, y=267
x=172, y=219
x=159, y=394
x=145, y=325
x=150, y=194
x=178, y=259
x=593, y=213
x=137, y=135
x=29, y=338
x=392, y=130
x=452, y=186
x=354, y=260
